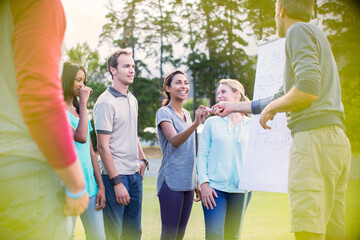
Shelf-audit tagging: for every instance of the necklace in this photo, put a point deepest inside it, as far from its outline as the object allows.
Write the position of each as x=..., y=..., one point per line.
x=180, y=115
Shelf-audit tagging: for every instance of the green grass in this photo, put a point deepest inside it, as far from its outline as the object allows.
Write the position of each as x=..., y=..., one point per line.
x=267, y=216
x=353, y=210
x=355, y=153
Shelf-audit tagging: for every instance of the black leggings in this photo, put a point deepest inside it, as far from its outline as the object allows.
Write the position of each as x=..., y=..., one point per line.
x=175, y=208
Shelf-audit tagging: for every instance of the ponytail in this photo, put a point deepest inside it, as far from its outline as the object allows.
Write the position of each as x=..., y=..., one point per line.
x=167, y=82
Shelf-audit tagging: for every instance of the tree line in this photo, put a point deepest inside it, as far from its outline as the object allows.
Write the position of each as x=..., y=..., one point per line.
x=206, y=39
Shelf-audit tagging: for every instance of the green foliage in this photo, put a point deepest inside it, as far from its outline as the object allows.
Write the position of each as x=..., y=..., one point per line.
x=260, y=16
x=122, y=28
x=216, y=46
x=162, y=32
x=98, y=88
x=82, y=54
x=351, y=101
x=342, y=23
x=189, y=105
x=210, y=31
x=148, y=96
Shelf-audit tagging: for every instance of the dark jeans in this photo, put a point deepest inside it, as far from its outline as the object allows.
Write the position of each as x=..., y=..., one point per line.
x=223, y=222
x=123, y=221
x=175, y=208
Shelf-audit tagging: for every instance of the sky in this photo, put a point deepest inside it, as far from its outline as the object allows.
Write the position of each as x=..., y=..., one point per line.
x=85, y=19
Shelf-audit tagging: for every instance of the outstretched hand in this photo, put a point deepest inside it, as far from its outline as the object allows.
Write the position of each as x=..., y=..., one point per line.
x=222, y=109
x=200, y=115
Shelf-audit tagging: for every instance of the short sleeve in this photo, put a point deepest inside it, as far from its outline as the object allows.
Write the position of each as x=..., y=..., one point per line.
x=104, y=118
x=162, y=115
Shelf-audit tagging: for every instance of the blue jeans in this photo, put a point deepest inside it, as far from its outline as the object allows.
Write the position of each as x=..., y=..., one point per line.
x=93, y=222
x=123, y=221
x=223, y=222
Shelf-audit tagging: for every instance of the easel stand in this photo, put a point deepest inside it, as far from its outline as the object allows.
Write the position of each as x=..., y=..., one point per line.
x=243, y=212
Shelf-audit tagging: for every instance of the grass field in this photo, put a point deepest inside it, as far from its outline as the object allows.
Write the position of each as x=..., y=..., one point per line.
x=267, y=217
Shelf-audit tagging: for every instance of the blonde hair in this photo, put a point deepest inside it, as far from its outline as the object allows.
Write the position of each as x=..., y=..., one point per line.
x=235, y=85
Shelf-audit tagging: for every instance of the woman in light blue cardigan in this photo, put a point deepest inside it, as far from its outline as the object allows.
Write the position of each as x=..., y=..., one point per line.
x=221, y=155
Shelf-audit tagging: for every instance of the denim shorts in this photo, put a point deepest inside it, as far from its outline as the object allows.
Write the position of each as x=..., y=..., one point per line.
x=319, y=168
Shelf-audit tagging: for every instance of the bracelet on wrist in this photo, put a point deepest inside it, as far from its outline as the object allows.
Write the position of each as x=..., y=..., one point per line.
x=146, y=163
x=115, y=180
x=76, y=195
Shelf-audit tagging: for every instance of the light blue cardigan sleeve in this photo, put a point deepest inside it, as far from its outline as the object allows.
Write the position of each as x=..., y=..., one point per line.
x=203, y=153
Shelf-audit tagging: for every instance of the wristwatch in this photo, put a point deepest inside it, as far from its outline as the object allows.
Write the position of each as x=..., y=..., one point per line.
x=146, y=163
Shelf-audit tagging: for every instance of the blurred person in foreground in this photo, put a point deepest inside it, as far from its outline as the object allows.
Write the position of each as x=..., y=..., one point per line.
x=36, y=142
x=319, y=160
